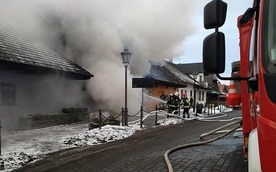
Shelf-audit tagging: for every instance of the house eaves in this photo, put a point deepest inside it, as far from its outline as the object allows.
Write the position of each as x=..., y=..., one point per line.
x=183, y=76
x=21, y=55
x=184, y=71
x=189, y=68
x=161, y=74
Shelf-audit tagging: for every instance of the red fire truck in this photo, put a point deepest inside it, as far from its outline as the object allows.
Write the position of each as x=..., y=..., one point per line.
x=257, y=33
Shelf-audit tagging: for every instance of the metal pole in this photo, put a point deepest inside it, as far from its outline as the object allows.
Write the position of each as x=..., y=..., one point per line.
x=126, y=113
x=123, y=111
x=214, y=108
x=142, y=96
x=141, y=119
x=156, y=115
x=100, y=119
x=194, y=98
x=179, y=108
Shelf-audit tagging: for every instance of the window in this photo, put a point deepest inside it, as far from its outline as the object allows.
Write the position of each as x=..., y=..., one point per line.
x=7, y=94
x=191, y=93
x=203, y=95
x=269, y=38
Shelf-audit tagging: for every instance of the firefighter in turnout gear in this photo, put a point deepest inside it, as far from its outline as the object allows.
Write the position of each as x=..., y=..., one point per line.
x=173, y=102
x=186, y=105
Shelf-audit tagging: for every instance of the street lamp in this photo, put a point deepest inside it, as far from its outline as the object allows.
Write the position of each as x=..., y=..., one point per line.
x=194, y=76
x=126, y=59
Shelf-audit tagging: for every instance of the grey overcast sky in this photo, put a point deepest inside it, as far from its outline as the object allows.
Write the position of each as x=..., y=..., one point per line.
x=193, y=45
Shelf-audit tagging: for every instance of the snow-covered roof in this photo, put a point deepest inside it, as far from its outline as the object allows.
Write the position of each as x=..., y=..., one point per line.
x=19, y=53
x=160, y=73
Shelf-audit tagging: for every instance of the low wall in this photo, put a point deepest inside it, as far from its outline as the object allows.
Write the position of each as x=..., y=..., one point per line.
x=67, y=116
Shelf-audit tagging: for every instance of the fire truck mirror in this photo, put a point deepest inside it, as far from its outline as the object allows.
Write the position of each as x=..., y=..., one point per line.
x=214, y=53
x=214, y=14
x=253, y=83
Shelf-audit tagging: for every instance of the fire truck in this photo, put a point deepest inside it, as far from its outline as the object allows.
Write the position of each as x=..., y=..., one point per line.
x=257, y=34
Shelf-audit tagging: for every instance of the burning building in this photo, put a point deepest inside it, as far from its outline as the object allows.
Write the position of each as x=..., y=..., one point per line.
x=35, y=79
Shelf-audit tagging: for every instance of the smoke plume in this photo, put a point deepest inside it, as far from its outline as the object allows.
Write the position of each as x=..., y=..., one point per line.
x=92, y=33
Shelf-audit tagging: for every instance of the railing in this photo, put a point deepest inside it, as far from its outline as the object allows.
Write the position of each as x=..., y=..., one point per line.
x=160, y=110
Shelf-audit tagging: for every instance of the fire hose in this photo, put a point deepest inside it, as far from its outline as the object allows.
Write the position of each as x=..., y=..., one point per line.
x=166, y=155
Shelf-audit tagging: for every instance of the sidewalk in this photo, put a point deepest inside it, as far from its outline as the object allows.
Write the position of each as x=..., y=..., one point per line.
x=144, y=151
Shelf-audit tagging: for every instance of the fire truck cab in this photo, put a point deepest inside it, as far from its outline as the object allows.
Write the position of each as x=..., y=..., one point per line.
x=257, y=33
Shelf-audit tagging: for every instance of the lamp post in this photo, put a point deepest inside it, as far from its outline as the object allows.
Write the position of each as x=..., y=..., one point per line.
x=194, y=76
x=126, y=59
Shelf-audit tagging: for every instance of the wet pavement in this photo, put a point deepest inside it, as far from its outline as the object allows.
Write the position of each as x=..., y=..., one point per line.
x=144, y=151
x=222, y=155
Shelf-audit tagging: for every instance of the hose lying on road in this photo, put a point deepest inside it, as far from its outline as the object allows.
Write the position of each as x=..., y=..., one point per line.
x=159, y=113
x=215, y=130
x=198, y=117
x=213, y=119
x=166, y=155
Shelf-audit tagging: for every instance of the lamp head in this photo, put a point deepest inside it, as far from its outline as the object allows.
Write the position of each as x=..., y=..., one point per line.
x=126, y=56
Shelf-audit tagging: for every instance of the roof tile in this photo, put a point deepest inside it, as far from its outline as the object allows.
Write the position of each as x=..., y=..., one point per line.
x=17, y=48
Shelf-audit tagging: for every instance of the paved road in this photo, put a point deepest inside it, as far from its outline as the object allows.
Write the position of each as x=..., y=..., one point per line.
x=144, y=152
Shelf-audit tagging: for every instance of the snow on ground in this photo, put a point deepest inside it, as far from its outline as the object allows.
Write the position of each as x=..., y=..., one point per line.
x=98, y=136
x=22, y=147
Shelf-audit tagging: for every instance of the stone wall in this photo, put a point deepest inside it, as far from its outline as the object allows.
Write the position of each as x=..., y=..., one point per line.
x=67, y=116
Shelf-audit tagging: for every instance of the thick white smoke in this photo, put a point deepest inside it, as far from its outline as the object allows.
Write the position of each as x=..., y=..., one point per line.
x=94, y=32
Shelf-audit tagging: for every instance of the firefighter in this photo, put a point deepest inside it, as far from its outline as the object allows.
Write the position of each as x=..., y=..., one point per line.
x=191, y=102
x=170, y=103
x=177, y=100
x=186, y=105
x=173, y=102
